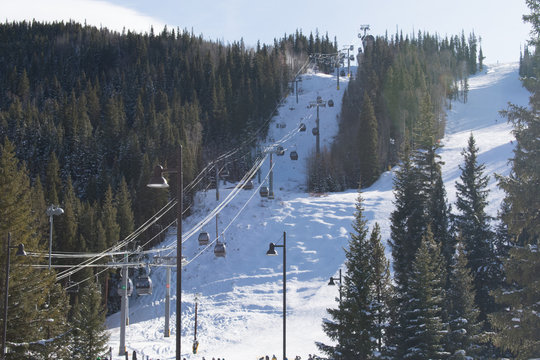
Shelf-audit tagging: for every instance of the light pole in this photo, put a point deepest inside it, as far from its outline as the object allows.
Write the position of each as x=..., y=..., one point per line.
x=52, y=211
x=20, y=252
x=272, y=252
x=159, y=182
x=332, y=282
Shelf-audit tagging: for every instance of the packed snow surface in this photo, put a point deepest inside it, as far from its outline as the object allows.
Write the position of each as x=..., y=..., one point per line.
x=241, y=295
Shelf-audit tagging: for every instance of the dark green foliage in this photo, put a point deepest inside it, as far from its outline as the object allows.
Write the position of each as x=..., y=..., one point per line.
x=517, y=323
x=89, y=104
x=368, y=147
x=474, y=225
x=358, y=324
x=89, y=334
x=408, y=82
x=34, y=298
x=463, y=338
x=422, y=310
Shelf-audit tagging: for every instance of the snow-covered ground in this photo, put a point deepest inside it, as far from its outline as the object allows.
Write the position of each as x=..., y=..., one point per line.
x=240, y=296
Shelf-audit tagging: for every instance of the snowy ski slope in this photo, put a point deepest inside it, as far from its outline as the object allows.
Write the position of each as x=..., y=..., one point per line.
x=240, y=301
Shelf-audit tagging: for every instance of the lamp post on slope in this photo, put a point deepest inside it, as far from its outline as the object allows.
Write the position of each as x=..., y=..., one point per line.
x=51, y=211
x=20, y=252
x=272, y=252
x=159, y=182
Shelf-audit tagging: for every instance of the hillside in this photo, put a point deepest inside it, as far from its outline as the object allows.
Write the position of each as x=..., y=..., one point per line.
x=240, y=296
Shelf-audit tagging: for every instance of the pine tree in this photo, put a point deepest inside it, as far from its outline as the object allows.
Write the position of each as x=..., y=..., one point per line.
x=90, y=335
x=356, y=324
x=423, y=307
x=464, y=328
x=381, y=288
x=34, y=300
x=124, y=214
x=368, y=143
x=517, y=324
x=109, y=219
x=473, y=223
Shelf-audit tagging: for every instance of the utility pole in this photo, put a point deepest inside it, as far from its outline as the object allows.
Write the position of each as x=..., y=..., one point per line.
x=123, y=308
x=167, y=330
x=271, y=180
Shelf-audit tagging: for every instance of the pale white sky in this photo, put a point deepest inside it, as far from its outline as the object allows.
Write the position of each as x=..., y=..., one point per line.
x=498, y=22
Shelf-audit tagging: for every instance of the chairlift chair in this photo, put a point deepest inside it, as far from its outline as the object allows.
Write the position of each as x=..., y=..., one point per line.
x=143, y=285
x=204, y=238
x=219, y=249
x=294, y=155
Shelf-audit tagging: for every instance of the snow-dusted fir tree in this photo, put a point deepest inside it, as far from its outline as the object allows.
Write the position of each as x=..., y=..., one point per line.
x=37, y=305
x=89, y=333
x=463, y=340
x=517, y=323
x=422, y=309
x=358, y=322
x=474, y=223
x=381, y=288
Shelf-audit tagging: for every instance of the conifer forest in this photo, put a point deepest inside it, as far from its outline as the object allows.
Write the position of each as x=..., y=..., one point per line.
x=87, y=113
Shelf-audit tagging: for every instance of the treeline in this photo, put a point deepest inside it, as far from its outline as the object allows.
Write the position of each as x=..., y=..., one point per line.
x=85, y=115
x=464, y=285
x=400, y=82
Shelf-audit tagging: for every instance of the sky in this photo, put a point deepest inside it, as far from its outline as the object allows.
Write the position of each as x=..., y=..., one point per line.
x=497, y=22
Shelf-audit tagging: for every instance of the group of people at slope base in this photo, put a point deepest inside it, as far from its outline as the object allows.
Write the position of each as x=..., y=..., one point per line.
x=310, y=357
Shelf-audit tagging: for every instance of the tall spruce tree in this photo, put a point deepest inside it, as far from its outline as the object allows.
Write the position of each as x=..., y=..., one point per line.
x=474, y=223
x=463, y=340
x=382, y=290
x=368, y=143
x=37, y=307
x=422, y=309
x=90, y=335
x=357, y=322
x=517, y=324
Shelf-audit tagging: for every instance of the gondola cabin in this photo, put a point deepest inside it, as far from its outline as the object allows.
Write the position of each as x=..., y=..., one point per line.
x=294, y=155
x=263, y=191
x=143, y=285
x=121, y=289
x=220, y=250
x=302, y=127
x=280, y=151
x=204, y=238
x=315, y=131
x=331, y=103
x=248, y=185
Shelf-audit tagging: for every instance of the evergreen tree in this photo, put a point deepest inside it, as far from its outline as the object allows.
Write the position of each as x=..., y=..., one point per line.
x=464, y=328
x=124, y=213
x=368, y=143
x=473, y=222
x=357, y=322
x=90, y=335
x=34, y=300
x=517, y=323
x=109, y=219
x=381, y=288
x=423, y=307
